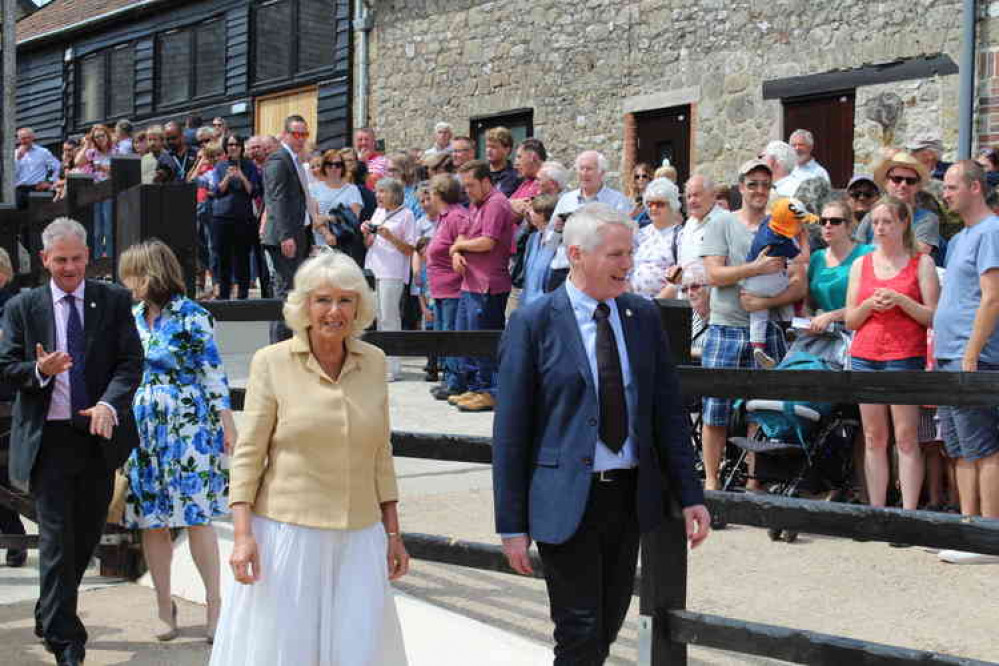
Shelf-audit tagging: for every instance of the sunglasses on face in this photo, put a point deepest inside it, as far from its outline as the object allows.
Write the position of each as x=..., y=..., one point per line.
x=333, y=164
x=300, y=135
x=757, y=184
x=863, y=194
x=656, y=204
x=643, y=176
x=834, y=221
x=908, y=180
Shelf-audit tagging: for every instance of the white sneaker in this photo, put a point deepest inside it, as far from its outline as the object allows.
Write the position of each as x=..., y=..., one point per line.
x=962, y=557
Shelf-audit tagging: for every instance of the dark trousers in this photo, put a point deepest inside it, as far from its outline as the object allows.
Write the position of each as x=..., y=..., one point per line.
x=72, y=486
x=284, y=276
x=481, y=312
x=590, y=577
x=10, y=520
x=260, y=261
x=233, y=240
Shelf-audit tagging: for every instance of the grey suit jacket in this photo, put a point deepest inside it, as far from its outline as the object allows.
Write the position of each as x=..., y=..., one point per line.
x=113, y=361
x=284, y=198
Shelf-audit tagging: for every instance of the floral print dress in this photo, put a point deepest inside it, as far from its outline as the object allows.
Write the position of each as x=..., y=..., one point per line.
x=176, y=477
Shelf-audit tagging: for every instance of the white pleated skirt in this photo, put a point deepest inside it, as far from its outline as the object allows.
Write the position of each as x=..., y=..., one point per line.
x=323, y=599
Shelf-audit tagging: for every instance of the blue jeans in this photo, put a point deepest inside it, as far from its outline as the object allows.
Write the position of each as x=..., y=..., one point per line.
x=103, y=234
x=445, y=317
x=481, y=312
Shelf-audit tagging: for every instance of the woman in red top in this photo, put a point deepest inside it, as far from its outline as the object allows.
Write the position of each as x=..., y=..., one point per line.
x=890, y=303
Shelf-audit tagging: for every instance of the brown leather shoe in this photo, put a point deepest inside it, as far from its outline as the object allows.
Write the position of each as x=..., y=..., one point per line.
x=455, y=399
x=481, y=402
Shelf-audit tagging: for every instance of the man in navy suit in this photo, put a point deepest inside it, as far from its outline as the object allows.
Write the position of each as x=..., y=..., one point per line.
x=590, y=446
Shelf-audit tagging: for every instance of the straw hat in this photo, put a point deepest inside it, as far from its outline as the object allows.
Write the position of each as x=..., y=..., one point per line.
x=904, y=160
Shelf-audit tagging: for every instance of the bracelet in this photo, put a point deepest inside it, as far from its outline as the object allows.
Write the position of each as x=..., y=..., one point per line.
x=392, y=534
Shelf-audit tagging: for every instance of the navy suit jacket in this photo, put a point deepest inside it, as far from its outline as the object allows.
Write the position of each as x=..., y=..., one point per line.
x=547, y=421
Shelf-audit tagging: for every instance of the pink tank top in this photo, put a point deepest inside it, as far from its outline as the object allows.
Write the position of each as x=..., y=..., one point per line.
x=890, y=335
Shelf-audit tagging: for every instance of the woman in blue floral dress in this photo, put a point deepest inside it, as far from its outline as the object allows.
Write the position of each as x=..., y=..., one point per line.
x=176, y=477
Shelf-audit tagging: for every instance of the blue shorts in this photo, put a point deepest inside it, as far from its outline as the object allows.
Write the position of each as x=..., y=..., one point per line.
x=969, y=433
x=867, y=365
x=728, y=347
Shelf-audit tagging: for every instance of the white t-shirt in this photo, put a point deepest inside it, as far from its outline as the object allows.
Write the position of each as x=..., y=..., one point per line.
x=329, y=197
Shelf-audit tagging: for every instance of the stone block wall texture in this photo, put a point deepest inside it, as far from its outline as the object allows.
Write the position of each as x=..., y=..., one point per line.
x=576, y=62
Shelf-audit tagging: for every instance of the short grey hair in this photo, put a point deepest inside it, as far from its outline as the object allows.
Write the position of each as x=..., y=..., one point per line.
x=707, y=182
x=393, y=187
x=602, y=164
x=441, y=126
x=329, y=268
x=804, y=134
x=555, y=171
x=585, y=228
x=783, y=153
x=663, y=189
x=205, y=133
x=63, y=228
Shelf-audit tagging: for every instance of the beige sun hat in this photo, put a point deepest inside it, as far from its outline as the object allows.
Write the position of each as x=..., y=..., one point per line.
x=900, y=159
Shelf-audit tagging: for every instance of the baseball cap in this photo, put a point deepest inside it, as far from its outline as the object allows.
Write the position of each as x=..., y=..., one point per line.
x=862, y=178
x=753, y=165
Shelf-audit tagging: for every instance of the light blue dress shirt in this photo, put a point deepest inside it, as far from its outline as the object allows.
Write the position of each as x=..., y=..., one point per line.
x=583, y=307
x=38, y=164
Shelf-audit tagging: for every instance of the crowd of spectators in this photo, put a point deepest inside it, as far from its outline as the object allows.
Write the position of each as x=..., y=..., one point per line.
x=456, y=243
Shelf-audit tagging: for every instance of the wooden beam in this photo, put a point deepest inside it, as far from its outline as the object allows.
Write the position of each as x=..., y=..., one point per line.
x=918, y=528
x=797, y=645
x=904, y=69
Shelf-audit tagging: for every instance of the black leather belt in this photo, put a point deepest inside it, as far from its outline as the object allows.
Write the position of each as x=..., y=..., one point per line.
x=615, y=475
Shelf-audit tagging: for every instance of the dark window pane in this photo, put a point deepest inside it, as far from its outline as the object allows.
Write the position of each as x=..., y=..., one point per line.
x=122, y=81
x=91, y=88
x=317, y=34
x=274, y=39
x=173, y=67
x=210, y=63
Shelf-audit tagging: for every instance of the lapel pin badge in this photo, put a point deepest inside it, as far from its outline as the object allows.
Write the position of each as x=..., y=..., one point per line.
x=627, y=313
x=92, y=304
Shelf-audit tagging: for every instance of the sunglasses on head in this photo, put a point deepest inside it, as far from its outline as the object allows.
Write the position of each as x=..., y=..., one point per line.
x=908, y=180
x=834, y=221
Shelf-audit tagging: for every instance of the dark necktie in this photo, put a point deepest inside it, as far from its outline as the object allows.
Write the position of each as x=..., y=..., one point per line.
x=613, y=408
x=76, y=345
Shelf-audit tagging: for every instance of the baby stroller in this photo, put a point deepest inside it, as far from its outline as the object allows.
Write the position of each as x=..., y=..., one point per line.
x=799, y=446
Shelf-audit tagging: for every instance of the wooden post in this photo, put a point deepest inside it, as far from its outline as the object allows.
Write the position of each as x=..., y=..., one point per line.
x=126, y=173
x=663, y=588
x=9, y=139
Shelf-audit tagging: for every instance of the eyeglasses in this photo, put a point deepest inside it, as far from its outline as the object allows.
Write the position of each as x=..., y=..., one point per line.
x=834, y=221
x=863, y=194
x=908, y=180
x=757, y=184
x=300, y=135
x=643, y=176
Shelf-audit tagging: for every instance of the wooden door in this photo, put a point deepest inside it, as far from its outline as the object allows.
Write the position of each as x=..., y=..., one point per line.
x=830, y=119
x=665, y=133
x=273, y=109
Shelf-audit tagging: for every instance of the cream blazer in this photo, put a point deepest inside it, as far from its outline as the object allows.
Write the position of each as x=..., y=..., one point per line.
x=313, y=451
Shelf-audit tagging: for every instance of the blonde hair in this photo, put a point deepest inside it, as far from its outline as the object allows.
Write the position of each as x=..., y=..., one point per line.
x=500, y=135
x=212, y=150
x=329, y=268
x=6, y=267
x=155, y=264
x=666, y=171
x=903, y=213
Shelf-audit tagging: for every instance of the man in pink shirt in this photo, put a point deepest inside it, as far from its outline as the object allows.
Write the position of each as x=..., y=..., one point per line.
x=531, y=154
x=481, y=254
x=365, y=145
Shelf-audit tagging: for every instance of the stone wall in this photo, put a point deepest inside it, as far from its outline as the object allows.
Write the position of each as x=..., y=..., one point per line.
x=580, y=64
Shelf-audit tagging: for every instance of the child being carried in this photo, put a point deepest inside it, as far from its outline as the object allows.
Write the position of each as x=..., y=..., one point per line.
x=778, y=237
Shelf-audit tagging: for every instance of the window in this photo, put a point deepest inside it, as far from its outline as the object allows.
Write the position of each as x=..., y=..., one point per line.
x=314, y=22
x=190, y=63
x=519, y=122
x=106, y=85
